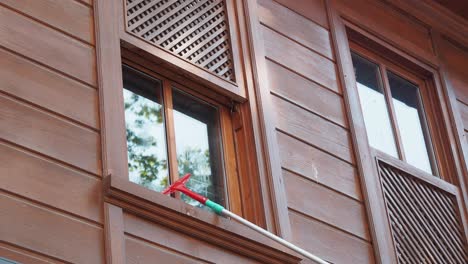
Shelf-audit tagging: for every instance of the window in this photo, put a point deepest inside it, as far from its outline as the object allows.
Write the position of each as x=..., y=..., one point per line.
x=393, y=110
x=171, y=132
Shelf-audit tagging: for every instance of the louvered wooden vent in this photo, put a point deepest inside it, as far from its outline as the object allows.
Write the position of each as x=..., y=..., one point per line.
x=196, y=30
x=424, y=219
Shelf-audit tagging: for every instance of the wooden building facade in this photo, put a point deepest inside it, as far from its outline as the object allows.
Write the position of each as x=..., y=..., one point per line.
x=287, y=93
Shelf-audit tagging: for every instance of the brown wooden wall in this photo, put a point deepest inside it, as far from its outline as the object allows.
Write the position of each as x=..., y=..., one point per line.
x=324, y=200
x=50, y=172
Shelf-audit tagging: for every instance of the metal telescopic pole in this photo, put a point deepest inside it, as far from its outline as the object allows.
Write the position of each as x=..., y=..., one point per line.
x=274, y=237
x=179, y=186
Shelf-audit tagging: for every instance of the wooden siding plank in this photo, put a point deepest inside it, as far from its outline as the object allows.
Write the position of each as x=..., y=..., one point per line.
x=41, y=86
x=21, y=170
x=49, y=233
x=463, y=108
x=70, y=16
x=52, y=136
x=48, y=46
x=326, y=205
x=299, y=59
x=305, y=93
x=24, y=256
x=140, y=252
x=328, y=242
x=312, y=129
x=295, y=27
x=170, y=239
x=311, y=9
x=318, y=166
x=384, y=20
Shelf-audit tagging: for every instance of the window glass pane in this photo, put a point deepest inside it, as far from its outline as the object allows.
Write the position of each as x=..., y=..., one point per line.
x=144, y=122
x=198, y=146
x=409, y=115
x=374, y=107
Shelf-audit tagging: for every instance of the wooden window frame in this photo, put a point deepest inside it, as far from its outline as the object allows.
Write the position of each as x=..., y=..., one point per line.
x=229, y=166
x=427, y=106
x=343, y=30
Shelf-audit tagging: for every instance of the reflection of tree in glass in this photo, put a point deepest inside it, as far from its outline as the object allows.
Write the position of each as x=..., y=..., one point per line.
x=197, y=162
x=145, y=164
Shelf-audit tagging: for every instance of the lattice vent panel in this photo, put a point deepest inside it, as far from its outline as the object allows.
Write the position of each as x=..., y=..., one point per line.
x=196, y=30
x=425, y=224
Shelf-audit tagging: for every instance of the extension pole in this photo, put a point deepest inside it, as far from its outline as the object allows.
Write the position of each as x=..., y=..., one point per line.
x=179, y=185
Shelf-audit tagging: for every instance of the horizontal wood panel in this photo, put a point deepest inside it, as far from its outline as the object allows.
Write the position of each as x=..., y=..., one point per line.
x=68, y=15
x=326, y=205
x=386, y=21
x=311, y=9
x=464, y=114
x=170, y=239
x=23, y=256
x=45, y=181
x=295, y=26
x=299, y=59
x=50, y=233
x=305, y=93
x=318, y=166
x=456, y=61
x=312, y=129
x=328, y=242
x=52, y=136
x=48, y=46
x=41, y=86
x=140, y=252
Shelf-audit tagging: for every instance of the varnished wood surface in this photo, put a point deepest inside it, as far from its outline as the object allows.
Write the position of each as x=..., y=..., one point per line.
x=49, y=89
x=42, y=132
x=50, y=134
x=295, y=27
x=69, y=16
x=42, y=230
x=48, y=46
x=329, y=243
x=313, y=10
x=56, y=185
x=179, y=243
x=315, y=146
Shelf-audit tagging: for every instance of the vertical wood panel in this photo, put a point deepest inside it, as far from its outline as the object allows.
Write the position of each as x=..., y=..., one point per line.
x=464, y=114
x=50, y=233
x=52, y=136
x=68, y=15
x=41, y=86
x=48, y=46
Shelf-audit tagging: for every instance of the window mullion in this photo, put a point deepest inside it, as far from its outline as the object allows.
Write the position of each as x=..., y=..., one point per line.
x=170, y=133
x=391, y=109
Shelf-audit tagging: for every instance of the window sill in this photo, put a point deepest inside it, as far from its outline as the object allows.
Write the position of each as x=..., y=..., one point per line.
x=195, y=222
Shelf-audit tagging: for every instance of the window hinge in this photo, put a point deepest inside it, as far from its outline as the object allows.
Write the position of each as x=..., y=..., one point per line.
x=236, y=115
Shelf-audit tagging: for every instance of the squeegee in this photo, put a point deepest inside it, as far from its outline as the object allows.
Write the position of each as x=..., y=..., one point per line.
x=179, y=185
